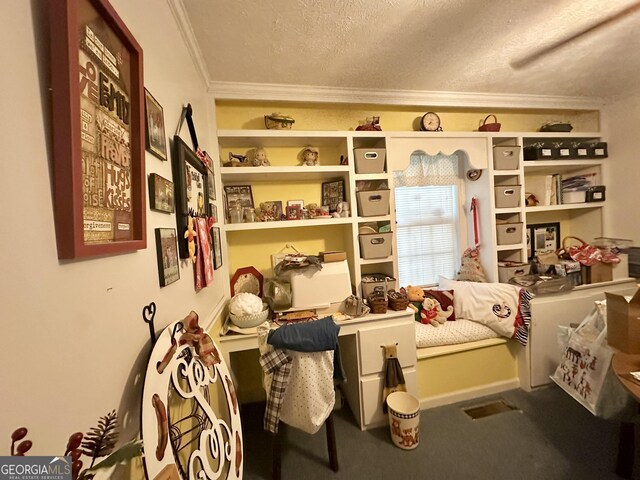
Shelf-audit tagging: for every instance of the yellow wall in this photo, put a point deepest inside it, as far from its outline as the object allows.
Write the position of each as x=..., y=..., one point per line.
x=330, y=116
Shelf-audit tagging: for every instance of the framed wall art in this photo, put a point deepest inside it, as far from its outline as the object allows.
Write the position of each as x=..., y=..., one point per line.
x=167, y=253
x=332, y=194
x=155, y=138
x=217, y=247
x=293, y=212
x=191, y=189
x=161, y=194
x=544, y=237
x=98, y=130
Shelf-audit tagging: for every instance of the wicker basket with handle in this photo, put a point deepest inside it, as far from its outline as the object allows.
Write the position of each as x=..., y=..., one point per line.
x=489, y=127
x=397, y=301
x=378, y=302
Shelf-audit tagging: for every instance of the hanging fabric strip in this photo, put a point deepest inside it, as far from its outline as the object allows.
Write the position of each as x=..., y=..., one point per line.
x=474, y=210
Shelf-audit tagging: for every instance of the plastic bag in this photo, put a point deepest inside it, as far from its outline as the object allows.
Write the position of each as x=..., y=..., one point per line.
x=585, y=369
x=277, y=294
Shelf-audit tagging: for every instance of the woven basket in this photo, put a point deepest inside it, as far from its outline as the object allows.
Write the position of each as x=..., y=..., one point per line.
x=378, y=303
x=397, y=301
x=489, y=127
x=277, y=121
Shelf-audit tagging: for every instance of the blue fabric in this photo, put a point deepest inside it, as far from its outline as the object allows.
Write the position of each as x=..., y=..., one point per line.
x=315, y=336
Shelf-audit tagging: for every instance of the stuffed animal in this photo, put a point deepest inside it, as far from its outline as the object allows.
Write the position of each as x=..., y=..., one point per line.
x=415, y=296
x=429, y=312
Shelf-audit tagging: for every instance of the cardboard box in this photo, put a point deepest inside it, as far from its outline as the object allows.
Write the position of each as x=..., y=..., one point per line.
x=333, y=256
x=623, y=322
x=600, y=272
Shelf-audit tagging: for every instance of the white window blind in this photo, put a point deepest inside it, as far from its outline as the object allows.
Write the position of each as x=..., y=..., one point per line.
x=426, y=198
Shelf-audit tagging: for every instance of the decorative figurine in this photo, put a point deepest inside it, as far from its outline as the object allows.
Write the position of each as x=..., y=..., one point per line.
x=260, y=158
x=310, y=157
x=236, y=160
x=190, y=235
x=371, y=124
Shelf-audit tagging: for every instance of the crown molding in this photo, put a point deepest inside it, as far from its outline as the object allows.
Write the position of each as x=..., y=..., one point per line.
x=184, y=25
x=301, y=93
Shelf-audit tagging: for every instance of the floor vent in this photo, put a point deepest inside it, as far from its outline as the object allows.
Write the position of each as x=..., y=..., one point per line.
x=488, y=409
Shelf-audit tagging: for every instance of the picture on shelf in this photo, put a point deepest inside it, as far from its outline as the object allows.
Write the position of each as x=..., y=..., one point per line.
x=292, y=203
x=271, y=210
x=167, y=254
x=160, y=194
x=237, y=196
x=332, y=194
x=155, y=138
x=544, y=238
x=293, y=212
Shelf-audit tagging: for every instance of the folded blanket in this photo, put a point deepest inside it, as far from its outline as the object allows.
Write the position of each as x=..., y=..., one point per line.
x=314, y=336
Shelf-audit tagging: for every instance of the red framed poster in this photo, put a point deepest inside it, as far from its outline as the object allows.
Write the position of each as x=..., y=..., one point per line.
x=98, y=131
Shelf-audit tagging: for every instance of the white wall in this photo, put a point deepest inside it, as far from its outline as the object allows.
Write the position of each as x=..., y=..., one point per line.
x=74, y=344
x=620, y=119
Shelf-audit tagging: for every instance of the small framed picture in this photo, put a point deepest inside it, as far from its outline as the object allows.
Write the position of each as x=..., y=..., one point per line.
x=214, y=212
x=211, y=182
x=167, y=253
x=217, y=248
x=293, y=212
x=332, y=194
x=155, y=138
x=292, y=203
x=272, y=210
x=544, y=237
x=237, y=195
x=160, y=194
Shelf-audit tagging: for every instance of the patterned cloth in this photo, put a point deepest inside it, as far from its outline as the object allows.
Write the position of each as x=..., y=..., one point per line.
x=278, y=363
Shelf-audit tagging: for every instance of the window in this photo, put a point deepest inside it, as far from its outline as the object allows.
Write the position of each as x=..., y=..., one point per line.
x=427, y=203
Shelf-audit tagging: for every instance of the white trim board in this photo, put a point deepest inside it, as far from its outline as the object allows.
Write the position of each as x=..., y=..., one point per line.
x=469, y=393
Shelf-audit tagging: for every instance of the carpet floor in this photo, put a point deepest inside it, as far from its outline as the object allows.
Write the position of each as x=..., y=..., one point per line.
x=549, y=437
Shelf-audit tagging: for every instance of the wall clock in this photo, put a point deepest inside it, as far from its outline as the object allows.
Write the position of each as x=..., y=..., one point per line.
x=430, y=122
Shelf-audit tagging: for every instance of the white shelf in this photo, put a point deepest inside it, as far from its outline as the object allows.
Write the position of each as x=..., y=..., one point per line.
x=278, y=174
x=566, y=206
x=381, y=218
x=278, y=138
x=315, y=222
x=515, y=246
x=372, y=261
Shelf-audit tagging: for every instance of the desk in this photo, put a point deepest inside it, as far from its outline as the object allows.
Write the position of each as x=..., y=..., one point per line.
x=622, y=364
x=362, y=358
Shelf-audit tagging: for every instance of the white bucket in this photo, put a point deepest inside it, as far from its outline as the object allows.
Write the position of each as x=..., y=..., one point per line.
x=404, y=419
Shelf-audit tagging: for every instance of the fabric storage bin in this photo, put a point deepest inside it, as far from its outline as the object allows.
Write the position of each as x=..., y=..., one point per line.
x=574, y=195
x=375, y=245
x=540, y=152
x=507, y=196
x=506, y=158
x=508, y=270
x=372, y=203
x=509, y=233
x=377, y=282
x=369, y=160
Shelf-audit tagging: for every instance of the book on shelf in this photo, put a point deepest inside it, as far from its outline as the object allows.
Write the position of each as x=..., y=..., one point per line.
x=558, y=188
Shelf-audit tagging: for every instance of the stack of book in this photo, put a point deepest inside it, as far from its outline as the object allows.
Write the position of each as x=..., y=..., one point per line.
x=559, y=189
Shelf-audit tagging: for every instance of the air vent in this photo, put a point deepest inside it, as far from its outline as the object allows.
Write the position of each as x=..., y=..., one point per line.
x=488, y=409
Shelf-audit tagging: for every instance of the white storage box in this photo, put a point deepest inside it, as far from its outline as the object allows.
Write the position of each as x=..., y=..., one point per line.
x=375, y=245
x=509, y=233
x=311, y=287
x=372, y=203
x=508, y=270
x=574, y=196
x=369, y=160
x=506, y=158
x=507, y=196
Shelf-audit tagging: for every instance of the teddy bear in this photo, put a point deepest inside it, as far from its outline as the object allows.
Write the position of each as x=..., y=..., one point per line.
x=432, y=312
x=415, y=296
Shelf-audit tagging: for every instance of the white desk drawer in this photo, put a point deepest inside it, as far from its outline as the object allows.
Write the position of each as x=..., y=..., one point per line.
x=372, y=397
x=371, y=339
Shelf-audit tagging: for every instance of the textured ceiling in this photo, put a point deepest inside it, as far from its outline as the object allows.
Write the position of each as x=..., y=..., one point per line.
x=428, y=45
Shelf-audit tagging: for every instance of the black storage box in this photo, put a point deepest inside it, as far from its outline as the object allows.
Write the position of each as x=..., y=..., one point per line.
x=597, y=150
x=596, y=193
x=540, y=152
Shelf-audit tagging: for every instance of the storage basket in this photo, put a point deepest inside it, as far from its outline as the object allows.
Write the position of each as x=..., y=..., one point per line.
x=378, y=302
x=397, y=301
x=369, y=160
x=489, y=127
x=249, y=321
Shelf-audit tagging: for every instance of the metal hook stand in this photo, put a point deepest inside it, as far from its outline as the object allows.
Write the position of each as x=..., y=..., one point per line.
x=148, y=314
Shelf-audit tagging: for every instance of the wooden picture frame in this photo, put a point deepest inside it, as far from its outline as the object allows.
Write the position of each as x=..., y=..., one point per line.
x=161, y=194
x=190, y=179
x=167, y=255
x=332, y=194
x=97, y=105
x=217, y=247
x=237, y=194
x=544, y=237
x=154, y=133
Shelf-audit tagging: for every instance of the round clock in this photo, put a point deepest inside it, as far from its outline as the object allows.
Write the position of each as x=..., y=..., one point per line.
x=430, y=122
